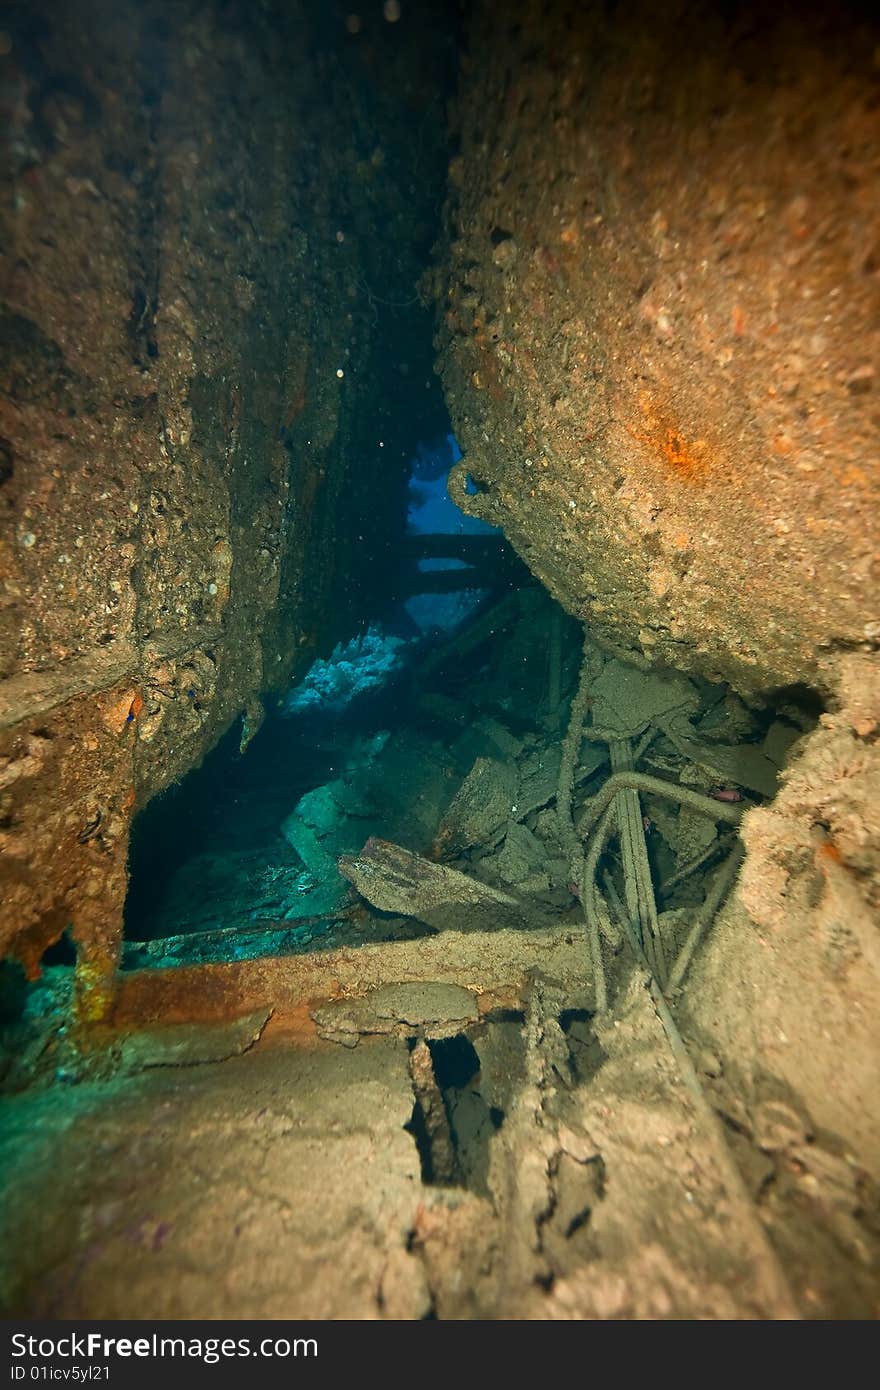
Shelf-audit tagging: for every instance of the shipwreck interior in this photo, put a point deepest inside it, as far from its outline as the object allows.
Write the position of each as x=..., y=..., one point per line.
x=440, y=645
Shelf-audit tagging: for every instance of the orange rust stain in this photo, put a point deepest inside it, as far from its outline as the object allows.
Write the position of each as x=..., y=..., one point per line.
x=685, y=459
x=116, y=714
x=32, y=943
x=681, y=457
x=738, y=321
x=136, y=706
x=852, y=476
x=292, y=1023
x=828, y=853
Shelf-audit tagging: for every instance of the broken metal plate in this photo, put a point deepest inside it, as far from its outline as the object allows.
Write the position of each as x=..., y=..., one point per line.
x=522, y=861
x=190, y=1044
x=625, y=700
x=480, y=809
x=396, y=880
x=539, y=776
x=745, y=765
x=427, y=1009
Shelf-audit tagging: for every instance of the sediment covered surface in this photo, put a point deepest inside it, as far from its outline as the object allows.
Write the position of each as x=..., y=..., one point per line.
x=557, y=996
x=208, y=208
x=658, y=308
x=659, y=323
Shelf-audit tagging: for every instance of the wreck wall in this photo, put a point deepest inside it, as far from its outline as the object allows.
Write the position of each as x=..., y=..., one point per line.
x=660, y=317
x=659, y=322
x=191, y=413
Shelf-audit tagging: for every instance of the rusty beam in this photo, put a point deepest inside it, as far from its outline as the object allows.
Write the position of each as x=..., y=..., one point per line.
x=495, y=965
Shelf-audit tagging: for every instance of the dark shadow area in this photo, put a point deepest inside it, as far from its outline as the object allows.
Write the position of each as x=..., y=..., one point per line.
x=454, y=1115
x=586, y=1054
x=204, y=852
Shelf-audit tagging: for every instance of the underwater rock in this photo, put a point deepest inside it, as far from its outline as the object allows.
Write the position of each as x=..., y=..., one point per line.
x=686, y=832
x=505, y=742
x=729, y=720
x=539, y=778
x=539, y=775
x=319, y=829
x=307, y=843
x=224, y=550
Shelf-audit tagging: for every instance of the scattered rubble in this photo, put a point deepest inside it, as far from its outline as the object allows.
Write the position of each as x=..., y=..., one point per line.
x=500, y=827
x=395, y=880
x=563, y=1105
x=481, y=808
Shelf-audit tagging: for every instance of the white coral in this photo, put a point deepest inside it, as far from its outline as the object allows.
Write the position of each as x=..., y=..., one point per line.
x=364, y=663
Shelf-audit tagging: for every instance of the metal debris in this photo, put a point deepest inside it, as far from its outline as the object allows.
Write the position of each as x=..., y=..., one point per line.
x=396, y=880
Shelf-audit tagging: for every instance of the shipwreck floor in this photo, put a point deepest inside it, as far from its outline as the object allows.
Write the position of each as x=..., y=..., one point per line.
x=286, y=1182
x=418, y=1110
